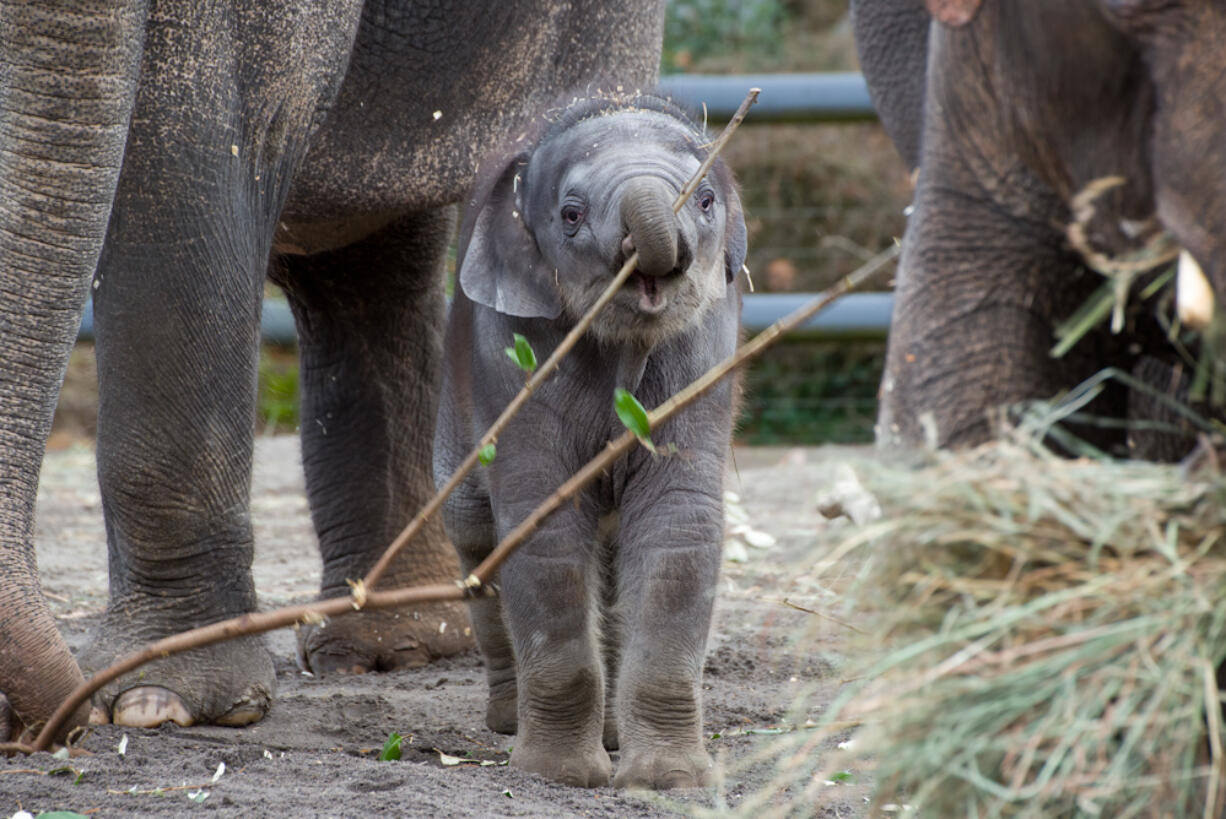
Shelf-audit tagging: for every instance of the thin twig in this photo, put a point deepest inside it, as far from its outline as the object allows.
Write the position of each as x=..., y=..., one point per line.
x=255, y=623
x=156, y=791
x=551, y=364
x=1213, y=716
x=822, y=615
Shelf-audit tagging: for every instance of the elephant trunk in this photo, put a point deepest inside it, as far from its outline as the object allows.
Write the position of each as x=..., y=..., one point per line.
x=651, y=225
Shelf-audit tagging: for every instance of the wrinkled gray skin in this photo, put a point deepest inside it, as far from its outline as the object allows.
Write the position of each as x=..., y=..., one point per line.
x=160, y=153
x=600, y=633
x=1016, y=112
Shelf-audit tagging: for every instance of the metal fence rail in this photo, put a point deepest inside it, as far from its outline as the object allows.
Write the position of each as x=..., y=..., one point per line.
x=859, y=316
x=827, y=97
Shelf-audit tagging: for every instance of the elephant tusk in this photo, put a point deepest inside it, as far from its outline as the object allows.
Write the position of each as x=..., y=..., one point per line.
x=1193, y=294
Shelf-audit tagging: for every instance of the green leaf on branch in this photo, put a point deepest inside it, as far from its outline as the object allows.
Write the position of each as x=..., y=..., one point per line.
x=522, y=354
x=633, y=416
x=486, y=454
x=391, y=748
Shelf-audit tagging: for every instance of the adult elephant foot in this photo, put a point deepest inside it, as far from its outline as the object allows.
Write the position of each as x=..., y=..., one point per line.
x=37, y=671
x=369, y=347
x=229, y=683
x=384, y=640
x=663, y=769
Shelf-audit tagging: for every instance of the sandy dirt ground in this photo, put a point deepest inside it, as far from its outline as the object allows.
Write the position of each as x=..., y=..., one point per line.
x=315, y=753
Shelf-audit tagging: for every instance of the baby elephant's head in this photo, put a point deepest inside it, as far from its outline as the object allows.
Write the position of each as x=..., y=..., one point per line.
x=552, y=224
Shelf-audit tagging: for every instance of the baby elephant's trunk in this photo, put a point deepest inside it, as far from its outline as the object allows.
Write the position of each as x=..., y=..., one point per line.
x=651, y=225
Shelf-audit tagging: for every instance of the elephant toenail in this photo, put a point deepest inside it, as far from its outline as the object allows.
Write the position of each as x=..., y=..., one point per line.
x=148, y=707
x=99, y=716
x=242, y=714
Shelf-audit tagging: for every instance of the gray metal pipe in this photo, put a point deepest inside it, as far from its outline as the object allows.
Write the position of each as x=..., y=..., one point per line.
x=276, y=324
x=826, y=97
x=858, y=316
x=855, y=317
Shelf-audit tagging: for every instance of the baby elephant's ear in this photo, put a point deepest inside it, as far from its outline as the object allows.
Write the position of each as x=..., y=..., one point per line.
x=736, y=240
x=499, y=262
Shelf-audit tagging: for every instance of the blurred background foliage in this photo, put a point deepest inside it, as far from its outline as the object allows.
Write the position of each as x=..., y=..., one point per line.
x=701, y=30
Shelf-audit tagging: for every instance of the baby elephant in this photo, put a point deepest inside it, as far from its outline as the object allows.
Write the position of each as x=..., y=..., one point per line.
x=599, y=635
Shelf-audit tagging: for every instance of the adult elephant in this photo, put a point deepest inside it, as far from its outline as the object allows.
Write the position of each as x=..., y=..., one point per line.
x=1010, y=109
x=158, y=154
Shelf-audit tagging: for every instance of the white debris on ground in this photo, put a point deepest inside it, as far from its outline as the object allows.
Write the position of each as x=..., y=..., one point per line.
x=739, y=534
x=847, y=497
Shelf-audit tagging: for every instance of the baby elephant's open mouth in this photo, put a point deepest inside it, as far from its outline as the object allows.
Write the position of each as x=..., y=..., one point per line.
x=653, y=290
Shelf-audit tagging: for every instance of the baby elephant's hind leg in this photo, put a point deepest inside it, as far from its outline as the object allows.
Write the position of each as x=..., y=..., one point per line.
x=469, y=520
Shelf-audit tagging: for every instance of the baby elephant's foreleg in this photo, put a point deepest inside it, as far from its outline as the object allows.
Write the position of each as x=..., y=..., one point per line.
x=668, y=565
x=548, y=592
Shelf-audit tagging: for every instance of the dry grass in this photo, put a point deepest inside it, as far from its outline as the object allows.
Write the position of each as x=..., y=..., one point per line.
x=1054, y=635
x=1044, y=641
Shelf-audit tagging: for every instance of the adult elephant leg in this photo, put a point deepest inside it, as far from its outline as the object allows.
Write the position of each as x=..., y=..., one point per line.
x=218, y=128
x=177, y=331
x=370, y=319
x=175, y=421
x=978, y=294
x=67, y=84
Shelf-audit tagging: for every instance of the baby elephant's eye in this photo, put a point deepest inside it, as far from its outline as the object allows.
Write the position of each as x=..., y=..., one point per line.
x=572, y=217
x=706, y=200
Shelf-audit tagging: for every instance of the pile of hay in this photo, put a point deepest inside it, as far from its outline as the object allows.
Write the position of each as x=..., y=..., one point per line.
x=1048, y=637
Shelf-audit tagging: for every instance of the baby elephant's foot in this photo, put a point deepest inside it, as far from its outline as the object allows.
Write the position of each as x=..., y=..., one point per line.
x=661, y=769
x=581, y=767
